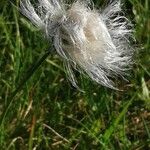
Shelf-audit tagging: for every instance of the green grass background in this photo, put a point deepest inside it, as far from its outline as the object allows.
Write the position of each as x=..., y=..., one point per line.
x=49, y=114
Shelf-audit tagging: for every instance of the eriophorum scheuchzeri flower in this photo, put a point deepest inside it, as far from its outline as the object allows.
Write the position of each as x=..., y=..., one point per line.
x=95, y=42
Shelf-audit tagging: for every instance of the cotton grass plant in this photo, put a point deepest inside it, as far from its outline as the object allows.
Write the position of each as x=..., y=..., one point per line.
x=94, y=42
x=97, y=119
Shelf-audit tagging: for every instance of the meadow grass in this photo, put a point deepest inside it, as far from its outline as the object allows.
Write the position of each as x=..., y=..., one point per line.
x=48, y=113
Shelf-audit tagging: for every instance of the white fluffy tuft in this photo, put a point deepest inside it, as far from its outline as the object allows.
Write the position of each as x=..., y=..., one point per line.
x=91, y=42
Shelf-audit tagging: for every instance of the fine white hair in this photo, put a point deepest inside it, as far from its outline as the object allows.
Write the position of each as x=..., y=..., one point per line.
x=93, y=42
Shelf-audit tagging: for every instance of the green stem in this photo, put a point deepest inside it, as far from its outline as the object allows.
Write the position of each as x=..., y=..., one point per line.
x=26, y=78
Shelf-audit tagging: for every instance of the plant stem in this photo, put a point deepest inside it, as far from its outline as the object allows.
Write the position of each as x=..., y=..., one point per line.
x=23, y=82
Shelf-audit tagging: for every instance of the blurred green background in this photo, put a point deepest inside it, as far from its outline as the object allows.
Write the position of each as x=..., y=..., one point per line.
x=49, y=113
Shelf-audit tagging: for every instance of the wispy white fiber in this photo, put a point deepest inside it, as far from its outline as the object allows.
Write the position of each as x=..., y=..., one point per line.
x=95, y=42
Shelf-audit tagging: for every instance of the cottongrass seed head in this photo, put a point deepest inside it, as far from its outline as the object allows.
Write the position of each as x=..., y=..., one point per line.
x=94, y=42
